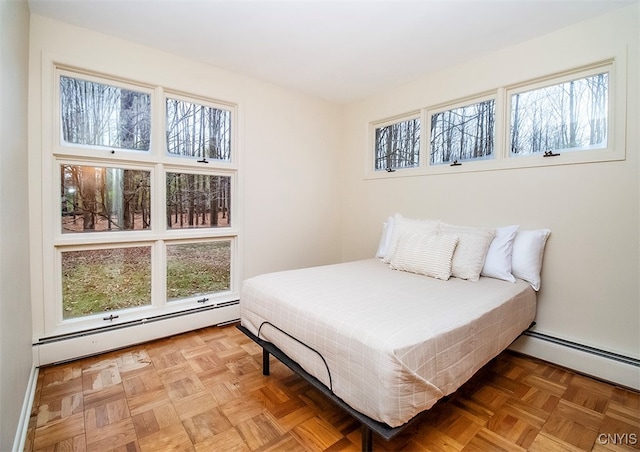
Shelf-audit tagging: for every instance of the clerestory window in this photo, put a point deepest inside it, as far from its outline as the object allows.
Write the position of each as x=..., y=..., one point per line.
x=463, y=133
x=567, y=116
x=577, y=116
x=397, y=144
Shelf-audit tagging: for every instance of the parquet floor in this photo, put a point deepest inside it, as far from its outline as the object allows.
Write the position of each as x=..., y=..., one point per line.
x=205, y=391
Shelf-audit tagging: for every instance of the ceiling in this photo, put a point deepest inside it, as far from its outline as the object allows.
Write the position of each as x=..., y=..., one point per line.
x=341, y=51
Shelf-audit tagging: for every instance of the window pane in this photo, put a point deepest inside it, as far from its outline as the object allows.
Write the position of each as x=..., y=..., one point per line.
x=195, y=130
x=198, y=268
x=571, y=115
x=463, y=134
x=95, y=281
x=398, y=145
x=102, y=115
x=98, y=198
x=198, y=201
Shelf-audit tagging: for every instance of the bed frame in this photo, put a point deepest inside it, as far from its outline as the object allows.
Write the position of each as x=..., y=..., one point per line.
x=369, y=425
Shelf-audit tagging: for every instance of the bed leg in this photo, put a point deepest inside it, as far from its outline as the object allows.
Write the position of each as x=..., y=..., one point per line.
x=367, y=439
x=265, y=362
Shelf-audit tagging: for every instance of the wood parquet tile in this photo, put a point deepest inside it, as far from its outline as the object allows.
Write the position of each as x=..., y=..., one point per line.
x=204, y=391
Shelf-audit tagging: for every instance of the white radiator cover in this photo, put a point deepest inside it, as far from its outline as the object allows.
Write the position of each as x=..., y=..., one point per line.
x=608, y=369
x=92, y=344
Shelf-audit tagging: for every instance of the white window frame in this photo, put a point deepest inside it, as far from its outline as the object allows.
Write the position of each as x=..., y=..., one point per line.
x=572, y=156
x=47, y=303
x=614, y=151
x=476, y=165
x=169, y=158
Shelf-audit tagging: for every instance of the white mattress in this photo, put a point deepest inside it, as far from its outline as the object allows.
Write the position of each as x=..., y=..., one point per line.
x=394, y=342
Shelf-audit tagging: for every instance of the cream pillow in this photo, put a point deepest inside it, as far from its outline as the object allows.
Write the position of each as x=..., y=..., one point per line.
x=403, y=226
x=473, y=244
x=425, y=254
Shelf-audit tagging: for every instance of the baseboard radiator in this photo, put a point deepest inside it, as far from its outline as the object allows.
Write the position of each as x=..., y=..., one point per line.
x=605, y=365
x=122, y=325
x=68, y=347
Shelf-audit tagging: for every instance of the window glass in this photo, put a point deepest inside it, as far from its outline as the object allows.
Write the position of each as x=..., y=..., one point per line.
x=102, y=280
x=98, y=114
x=568, y=116
x=198, y=268
x=99, y=198
x=195, y=130
x=464, y=133
x=198, y=200
x=398, y=145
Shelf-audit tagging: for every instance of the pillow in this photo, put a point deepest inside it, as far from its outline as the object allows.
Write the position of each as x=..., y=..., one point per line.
x=425, y=254
x=497, y=264
x=473, y=244
x=528, y=249
x=403, y=226
x=385, y=239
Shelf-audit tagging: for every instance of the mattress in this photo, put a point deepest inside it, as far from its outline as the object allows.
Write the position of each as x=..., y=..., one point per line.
x=388, y=343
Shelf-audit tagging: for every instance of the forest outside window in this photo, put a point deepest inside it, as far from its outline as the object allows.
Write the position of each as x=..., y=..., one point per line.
x=464, y=133
x=100, y=114
x=397, y=144
x=101, y=198
x=198, y=200
x=198, y=130
x=567, y=116
x=145, y=203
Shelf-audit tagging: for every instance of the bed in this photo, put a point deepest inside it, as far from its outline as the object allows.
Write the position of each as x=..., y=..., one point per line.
x=387, y=337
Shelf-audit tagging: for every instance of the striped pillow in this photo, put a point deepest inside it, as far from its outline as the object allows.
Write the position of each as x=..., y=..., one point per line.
x=425, y=254
x=403, y=226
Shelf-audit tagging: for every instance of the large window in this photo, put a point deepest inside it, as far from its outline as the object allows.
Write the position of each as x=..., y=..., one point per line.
x=568, y=116
x=144, y=199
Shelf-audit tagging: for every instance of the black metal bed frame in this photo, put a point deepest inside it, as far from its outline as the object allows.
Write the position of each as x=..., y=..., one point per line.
x=369, y=425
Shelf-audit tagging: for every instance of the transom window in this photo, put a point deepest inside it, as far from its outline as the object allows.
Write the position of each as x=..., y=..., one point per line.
x=98, y=114
x=463, y=133
x=568, y=116
x=146, y=203
x=397, y=144
x=196, y=130
x=571, y=115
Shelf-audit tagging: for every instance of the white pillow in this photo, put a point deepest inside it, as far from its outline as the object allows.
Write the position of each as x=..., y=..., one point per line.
x=425, y=254
x=385, y=238
x=528, y=249
x=403, y=226
x=473, y=244
x=497, y=264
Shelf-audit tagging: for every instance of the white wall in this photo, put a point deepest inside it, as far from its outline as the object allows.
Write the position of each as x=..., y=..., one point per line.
x=590, y=291
x=15, y=306
x=288, y=143
x=305, y=201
